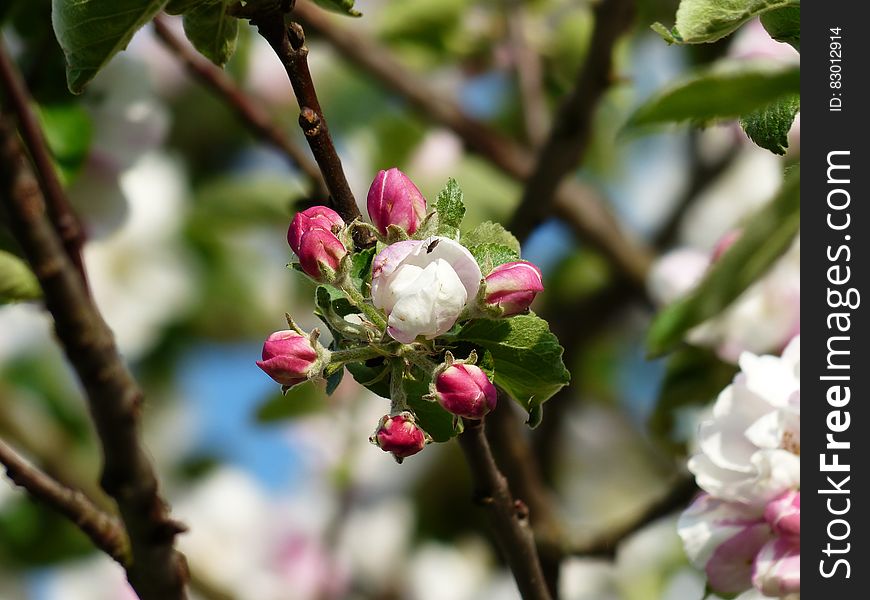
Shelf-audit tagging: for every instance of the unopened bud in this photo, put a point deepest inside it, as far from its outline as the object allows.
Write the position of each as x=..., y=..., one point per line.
x=465, y=391
x=394, y=200
x=512, y=286
x=400, y=435
x=289, y=357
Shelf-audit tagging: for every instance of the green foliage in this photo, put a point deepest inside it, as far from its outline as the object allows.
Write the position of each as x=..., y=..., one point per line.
x=700, y=21
x=344, y=7
x=694, y=377
x=361, y=269
x=17, y=281
x=178, y=7
x=301, y=400
x=211, y=30
x=68, y=131
x=489, y=256
x=527, y=356
x=728, y=90
x=491, y=233
x=784, y=25
x=91, y=32
x=450, y=209
x=33, y=535
x=767, y=235
x=769, y=126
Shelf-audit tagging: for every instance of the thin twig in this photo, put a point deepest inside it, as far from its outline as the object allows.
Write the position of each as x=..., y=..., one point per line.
x=104, y=530
x=157, y=571
x=580, y=206
x=529, y=74
x=572, y=128
x=288, y=42
x=509, y=518
x=678, y=495
x=246, y=108
x=62, y=216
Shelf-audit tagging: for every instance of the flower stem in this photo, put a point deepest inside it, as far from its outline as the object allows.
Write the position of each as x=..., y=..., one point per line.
x=358, y=354
x=373, y=314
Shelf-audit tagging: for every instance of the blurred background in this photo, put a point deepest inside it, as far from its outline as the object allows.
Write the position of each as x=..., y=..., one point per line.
x=186, y=215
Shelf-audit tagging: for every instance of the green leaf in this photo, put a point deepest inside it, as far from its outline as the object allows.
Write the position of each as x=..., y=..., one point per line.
x=433, y=419
x=68, y=131
x=769, y=126
x=17, y=281
x=303, y=399
x=333, y=381
x=212, y=30
x=693, y=377
x=450, y=209
x=344, y=7
x=784, y=25
x=178, y=7
x=370, y=375
x=490, y=233
x=527, y=356
x=91, y=32
x=767, y=235
x=728, y=90
x=489, y=256
x=700, y=21
x=361, y=269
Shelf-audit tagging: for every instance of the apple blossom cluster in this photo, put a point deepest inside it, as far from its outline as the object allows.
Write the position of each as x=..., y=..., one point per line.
x=397, y=311
x=744, y=528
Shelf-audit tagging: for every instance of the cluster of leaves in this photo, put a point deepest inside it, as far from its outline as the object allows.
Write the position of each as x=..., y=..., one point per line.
x=211, y=26
x=764, y=97
x=519, y=353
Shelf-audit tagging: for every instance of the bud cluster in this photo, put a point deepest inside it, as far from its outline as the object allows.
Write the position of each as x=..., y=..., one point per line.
x=421, y=284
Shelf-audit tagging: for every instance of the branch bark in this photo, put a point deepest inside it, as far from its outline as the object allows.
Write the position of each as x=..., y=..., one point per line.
x=509, y=518
x=580, y=206
x=288, y=43
x=248, y=111
x=104, y=530
x=572, y=129
x=157, y=571
x=62, y=216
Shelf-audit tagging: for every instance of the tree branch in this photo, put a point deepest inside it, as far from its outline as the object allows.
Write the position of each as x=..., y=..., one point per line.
x=62, y=216
x=247, y=110
x=157, y=571
x=509, y=518
x=572, y=129
x=288, y=42
x=678, y=496
x=580, y=206
x=104, y=530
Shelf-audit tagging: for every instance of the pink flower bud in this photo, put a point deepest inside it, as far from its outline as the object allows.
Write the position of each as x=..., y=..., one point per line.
x=320, y=248
x=316, y=217
x=512, y=286
x=400, y=435
x=394, y=200
x=465, y=391
x=288, y=357
x=783, y=513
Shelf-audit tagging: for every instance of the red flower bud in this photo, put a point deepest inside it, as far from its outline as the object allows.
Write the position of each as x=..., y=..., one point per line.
x=316, y=217
x=465, y=391
x=288, y=357
x=400, y=435
x=394, y=200
x=320, y=248
x=512, y=286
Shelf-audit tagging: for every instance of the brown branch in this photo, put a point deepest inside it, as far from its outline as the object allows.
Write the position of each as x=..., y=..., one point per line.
x=678, y=496
x=288, y=42
x=62, y=216
x=580, y=206
x=104, y=530
x=246, y=108
x=509, y=518
x=572, y=129
x=157, y=571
